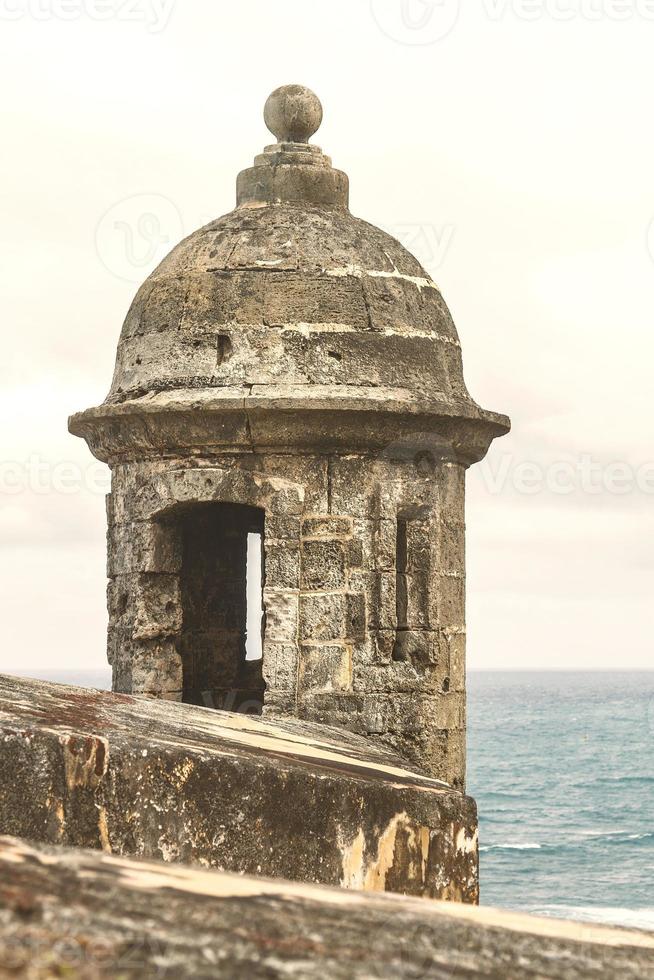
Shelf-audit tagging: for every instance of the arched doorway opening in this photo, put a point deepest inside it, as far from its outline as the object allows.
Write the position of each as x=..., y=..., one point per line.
x=221, y=589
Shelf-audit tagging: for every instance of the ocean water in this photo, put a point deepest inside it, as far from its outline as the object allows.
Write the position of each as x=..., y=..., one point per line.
x=562, y=768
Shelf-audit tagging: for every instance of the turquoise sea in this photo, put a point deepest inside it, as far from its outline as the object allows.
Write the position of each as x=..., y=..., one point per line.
x=562, y=768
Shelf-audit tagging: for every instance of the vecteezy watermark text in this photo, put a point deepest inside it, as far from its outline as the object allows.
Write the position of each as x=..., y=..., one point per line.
x=41, y=477
x=583, y=475
x=421, y=22
x=503, y=473
x=566, y=10
x=155, y=14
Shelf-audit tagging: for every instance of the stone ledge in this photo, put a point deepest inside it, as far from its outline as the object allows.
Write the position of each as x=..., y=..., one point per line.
x=188, y=784
x=323, y=418
x=182, y=922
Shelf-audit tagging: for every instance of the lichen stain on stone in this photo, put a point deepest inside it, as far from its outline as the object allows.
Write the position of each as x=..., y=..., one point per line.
x=182, y=772
x=466, y=843
x=55, y=808
x=353, y=862
x=371, y=874
x=425, y=838
x=103, y=830
x=168, y=849
x=85, y=760
x=453, y=892
x=460, y=851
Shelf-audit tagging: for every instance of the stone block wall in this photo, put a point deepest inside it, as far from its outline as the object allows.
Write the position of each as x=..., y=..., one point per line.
x=363, y=591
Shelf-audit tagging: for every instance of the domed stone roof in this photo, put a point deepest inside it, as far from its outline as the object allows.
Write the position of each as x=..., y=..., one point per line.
x=292, y=295
x=292, y=301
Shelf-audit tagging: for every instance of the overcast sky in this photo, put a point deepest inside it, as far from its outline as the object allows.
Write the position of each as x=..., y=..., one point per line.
x=510, y=145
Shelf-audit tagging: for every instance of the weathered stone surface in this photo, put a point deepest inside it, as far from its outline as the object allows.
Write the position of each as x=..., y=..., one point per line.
x=223, y=790
x=327, y=667
x=55, y=920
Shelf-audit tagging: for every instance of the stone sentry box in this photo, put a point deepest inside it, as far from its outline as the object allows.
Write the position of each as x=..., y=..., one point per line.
x=350, y=638
x=292, y=371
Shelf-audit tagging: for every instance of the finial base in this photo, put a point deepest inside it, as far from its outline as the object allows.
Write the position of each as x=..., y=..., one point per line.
x=292, y=173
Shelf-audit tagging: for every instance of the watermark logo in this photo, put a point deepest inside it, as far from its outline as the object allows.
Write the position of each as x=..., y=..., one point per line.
x=429, y=244
x=154, y=14
x=416, y=22
x=136, y=234
x=234, y=702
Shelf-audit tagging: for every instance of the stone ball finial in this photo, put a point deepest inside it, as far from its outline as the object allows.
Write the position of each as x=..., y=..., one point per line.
x=293, y=113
